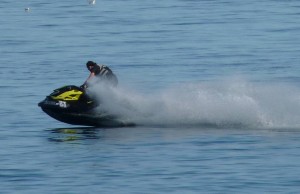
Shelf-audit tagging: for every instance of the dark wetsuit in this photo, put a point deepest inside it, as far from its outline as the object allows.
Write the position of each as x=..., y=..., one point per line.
x=102, y=72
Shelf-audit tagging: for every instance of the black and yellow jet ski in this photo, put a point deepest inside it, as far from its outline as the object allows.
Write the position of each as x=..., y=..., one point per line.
x=70, y=104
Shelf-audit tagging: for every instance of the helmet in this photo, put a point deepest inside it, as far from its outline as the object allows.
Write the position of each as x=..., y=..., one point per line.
x=90, y=63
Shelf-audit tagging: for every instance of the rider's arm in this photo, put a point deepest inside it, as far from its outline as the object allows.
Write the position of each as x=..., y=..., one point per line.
x=92, y=74
x=84, y=85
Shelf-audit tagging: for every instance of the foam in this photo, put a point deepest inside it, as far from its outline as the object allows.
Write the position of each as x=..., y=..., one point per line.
x=226, y=103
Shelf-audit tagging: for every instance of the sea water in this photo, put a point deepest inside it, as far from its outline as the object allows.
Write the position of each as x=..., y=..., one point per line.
x=213, y=87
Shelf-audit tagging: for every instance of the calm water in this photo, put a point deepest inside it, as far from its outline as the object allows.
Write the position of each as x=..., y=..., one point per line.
x=212, y=85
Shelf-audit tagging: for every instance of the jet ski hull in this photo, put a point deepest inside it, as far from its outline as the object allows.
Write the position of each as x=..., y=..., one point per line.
x=85, y=119
x=78, y=110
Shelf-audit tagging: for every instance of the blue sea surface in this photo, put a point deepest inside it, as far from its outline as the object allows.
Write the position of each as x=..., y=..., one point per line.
x=212, y=86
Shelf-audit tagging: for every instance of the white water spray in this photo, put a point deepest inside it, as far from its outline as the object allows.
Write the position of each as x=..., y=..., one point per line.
x=220, y=104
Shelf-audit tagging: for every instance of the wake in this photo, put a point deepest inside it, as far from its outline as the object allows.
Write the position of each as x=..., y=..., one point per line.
x=234, y=103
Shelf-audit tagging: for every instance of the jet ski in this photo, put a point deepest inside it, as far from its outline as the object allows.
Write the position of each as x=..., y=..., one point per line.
x=70, y=104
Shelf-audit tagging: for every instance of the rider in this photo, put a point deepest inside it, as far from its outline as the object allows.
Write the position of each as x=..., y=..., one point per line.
x=102, y=72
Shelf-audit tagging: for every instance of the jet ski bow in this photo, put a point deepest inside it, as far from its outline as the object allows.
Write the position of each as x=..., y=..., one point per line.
x=70, y=104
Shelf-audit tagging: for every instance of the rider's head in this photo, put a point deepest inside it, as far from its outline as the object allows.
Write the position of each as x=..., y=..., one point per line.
x=90, y=65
